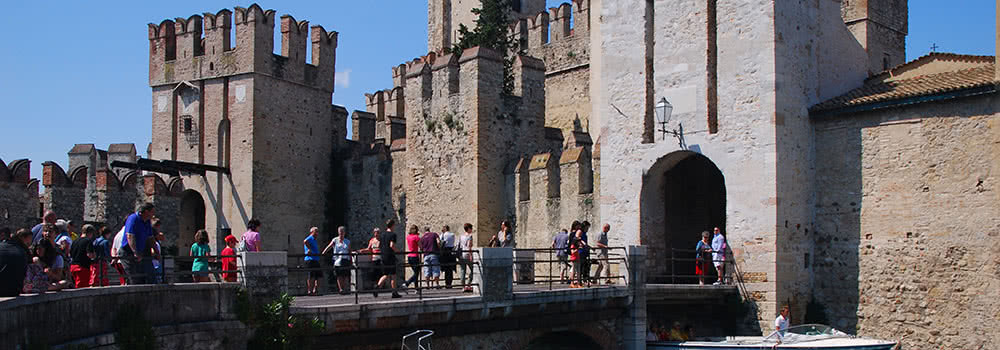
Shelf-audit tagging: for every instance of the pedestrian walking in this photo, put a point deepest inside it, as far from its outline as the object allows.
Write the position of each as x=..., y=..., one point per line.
x=201, y=251
x=560, y=243
x=387, y=248
x=602, y=256
x=413, y=257
x=464, y=249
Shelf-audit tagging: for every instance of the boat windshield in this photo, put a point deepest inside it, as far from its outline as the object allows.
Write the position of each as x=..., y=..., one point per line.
x=804, y=333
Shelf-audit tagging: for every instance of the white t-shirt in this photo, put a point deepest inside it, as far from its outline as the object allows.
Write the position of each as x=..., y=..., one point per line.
x=448, y=240
x=465, y=244
x=780, y=323
x=116, y=245
x=718, y=247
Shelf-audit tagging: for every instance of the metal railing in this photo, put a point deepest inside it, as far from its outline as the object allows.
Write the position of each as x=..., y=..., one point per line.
x=538, y=266
x=173, y=269
x=363, y=268
x=733, y=273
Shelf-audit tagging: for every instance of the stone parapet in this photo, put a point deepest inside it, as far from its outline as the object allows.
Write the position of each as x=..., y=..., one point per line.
x=264, y=273
x=496, y=283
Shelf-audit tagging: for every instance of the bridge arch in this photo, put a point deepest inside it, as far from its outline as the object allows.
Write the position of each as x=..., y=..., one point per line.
x=683, y=194
x=563, y=340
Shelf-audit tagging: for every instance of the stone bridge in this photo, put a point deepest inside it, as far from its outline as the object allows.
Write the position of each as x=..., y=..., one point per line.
x=501, y=316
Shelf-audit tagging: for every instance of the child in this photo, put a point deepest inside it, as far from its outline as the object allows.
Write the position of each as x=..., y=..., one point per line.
x=229, y=260
x=200, y=249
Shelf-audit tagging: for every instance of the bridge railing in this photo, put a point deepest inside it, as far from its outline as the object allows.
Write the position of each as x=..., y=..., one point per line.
x=365, y=272
x=170, y=269
x=690, y=258
x=553, y=267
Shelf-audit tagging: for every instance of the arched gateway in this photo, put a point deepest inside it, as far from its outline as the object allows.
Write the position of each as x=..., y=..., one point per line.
x=683, y=194
x=190, y=219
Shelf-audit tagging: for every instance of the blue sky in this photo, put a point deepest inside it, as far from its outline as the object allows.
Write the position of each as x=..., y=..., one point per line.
x=76, y=72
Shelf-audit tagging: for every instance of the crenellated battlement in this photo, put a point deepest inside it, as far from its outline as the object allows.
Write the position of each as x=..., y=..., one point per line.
x=549, y=175
x=199, y=47
x=566, y=22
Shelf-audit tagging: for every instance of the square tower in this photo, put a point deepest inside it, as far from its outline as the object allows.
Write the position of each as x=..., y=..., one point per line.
x=267, y=118
x=880, y=26
x=444, y=17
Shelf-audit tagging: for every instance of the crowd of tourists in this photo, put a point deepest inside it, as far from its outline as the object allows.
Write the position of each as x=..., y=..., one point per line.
x=434, y=257
x=55, y=254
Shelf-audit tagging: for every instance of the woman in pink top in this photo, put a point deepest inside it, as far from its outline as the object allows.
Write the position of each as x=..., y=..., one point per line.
x=251, y=238
x=412, y=255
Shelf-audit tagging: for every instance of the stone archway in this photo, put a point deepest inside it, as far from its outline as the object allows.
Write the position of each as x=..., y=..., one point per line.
x=565, y=340
x=683, y=194
x=190, y=219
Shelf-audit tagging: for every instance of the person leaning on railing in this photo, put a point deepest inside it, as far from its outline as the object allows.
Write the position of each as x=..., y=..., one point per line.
x=341, y=259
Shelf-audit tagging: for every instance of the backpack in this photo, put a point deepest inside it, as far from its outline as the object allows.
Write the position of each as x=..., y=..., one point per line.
x=241, y=246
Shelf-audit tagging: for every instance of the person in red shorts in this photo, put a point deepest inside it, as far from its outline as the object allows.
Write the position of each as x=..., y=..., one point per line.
x=229, y=260
x=703, y=258
x=83, y=253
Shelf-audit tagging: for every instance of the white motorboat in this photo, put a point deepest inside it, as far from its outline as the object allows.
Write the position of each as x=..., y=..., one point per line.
x=807, y=336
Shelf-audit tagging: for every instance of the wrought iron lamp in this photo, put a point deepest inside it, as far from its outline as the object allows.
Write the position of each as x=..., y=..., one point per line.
x=663, y=110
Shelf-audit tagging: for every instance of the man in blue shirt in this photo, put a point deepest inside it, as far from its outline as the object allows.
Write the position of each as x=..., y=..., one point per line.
x=134, y=254
x=311, y=249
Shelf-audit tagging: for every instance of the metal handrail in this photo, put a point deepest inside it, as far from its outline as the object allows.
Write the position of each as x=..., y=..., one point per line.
x=424, y=334
x=357, y=291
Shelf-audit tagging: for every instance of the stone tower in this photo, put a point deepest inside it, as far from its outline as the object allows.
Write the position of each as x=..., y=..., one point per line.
x=267, y=118
x=880, y=26
x=445, y=16
x=463, y=136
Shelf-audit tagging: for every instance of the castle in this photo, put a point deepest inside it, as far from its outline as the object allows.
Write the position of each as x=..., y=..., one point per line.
x=782, y=116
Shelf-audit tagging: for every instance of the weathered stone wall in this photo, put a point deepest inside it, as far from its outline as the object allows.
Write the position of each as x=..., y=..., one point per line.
x=768, y=71
x=370, y=200
x=560, y=190
x=818, y=59
x=880, y=26
x=28, y=319
x=906, y=241
x=560, y=37
x=266, y=117
x=19, y=207
x=463, y=137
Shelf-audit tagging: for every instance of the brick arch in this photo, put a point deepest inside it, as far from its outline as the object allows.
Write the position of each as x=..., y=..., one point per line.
x=79, y=176
x=20, y=171
x=130, y=180
x=4, y=172
x=54, y=175
x=175, y=186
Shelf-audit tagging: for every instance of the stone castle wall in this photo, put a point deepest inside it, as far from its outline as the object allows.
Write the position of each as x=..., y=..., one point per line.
x=804, y=80
x=880, y=26
x=906, y=223
x=19, y=206
x=560, y=37
x=265, y=117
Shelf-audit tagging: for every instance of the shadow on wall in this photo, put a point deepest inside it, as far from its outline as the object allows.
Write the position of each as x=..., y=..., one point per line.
x=837, y=235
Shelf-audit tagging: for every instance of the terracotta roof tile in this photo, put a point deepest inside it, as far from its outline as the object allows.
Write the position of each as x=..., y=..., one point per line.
x=882, y=90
